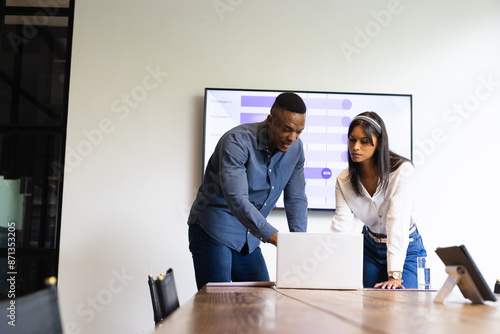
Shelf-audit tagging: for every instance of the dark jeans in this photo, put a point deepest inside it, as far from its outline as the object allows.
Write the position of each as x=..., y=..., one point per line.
x=375, y=260
x=215, y=262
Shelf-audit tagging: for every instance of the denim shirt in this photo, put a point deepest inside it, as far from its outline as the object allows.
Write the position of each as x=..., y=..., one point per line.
x=242, y=183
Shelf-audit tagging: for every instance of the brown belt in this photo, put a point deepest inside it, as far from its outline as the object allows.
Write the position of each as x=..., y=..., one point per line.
x=384, y=240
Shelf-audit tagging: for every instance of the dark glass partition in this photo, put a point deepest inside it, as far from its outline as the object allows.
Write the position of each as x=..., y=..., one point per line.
x=35, y=49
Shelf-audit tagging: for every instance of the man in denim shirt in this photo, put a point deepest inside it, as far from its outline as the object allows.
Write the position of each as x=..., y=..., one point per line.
x=251, y=166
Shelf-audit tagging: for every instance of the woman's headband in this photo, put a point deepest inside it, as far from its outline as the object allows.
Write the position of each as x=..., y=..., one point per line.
x=369, y=120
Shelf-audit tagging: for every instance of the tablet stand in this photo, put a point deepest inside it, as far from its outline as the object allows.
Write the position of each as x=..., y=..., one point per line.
x=458, y=275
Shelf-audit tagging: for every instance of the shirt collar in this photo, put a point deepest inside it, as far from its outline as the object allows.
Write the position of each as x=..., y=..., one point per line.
x=262, y=136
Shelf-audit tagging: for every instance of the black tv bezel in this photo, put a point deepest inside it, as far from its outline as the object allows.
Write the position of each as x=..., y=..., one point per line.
x=299, y=92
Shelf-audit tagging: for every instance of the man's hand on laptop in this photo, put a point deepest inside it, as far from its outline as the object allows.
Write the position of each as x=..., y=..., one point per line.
x=273, y=239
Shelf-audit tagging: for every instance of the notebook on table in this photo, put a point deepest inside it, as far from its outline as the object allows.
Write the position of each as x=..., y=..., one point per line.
x=319, y=261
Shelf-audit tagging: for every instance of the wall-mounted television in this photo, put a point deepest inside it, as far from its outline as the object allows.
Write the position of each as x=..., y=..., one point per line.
x=325, y=137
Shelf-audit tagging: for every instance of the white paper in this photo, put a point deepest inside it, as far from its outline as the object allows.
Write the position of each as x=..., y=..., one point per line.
x=216, y=284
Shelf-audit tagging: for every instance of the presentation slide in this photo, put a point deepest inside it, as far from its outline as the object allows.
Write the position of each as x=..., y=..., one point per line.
x=325, y=137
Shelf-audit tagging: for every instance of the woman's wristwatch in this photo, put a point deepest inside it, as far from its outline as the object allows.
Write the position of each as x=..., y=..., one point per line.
x=395, y=275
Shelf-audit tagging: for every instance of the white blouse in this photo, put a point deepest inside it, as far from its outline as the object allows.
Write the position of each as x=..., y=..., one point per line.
x=389, y=211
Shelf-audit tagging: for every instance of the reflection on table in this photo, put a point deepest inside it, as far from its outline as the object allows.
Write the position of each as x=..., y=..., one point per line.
x=269, y=310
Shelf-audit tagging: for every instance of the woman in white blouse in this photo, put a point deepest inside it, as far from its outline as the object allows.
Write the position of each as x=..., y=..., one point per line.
x=378, y=189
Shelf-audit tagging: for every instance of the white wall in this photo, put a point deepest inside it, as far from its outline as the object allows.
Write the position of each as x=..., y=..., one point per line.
x=134, y=139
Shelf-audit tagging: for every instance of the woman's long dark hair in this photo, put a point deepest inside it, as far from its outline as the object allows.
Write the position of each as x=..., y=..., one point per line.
x=386, y=161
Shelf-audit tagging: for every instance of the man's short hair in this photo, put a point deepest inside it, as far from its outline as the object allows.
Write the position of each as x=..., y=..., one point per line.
x=289, y=101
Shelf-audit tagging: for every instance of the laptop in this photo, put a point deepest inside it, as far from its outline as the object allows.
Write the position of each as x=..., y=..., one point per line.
x=319, y=261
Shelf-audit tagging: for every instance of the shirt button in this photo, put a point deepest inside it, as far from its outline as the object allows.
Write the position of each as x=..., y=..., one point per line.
x=248, y=230
x=265, y=204
x=261, y=239
x=270, y=170
x=272, y=187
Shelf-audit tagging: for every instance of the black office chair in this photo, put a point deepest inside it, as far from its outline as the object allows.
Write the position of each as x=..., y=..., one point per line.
x=163, y=295
x=35, y=313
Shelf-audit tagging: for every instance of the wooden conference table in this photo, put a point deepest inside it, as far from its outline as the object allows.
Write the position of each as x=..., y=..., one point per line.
x=269, y=310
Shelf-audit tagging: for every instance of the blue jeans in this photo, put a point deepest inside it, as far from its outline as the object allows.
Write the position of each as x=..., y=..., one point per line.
x=215, y=262
x=375, y=260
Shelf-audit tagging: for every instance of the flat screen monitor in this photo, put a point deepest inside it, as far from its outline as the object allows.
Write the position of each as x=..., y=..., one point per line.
x=325, y=136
